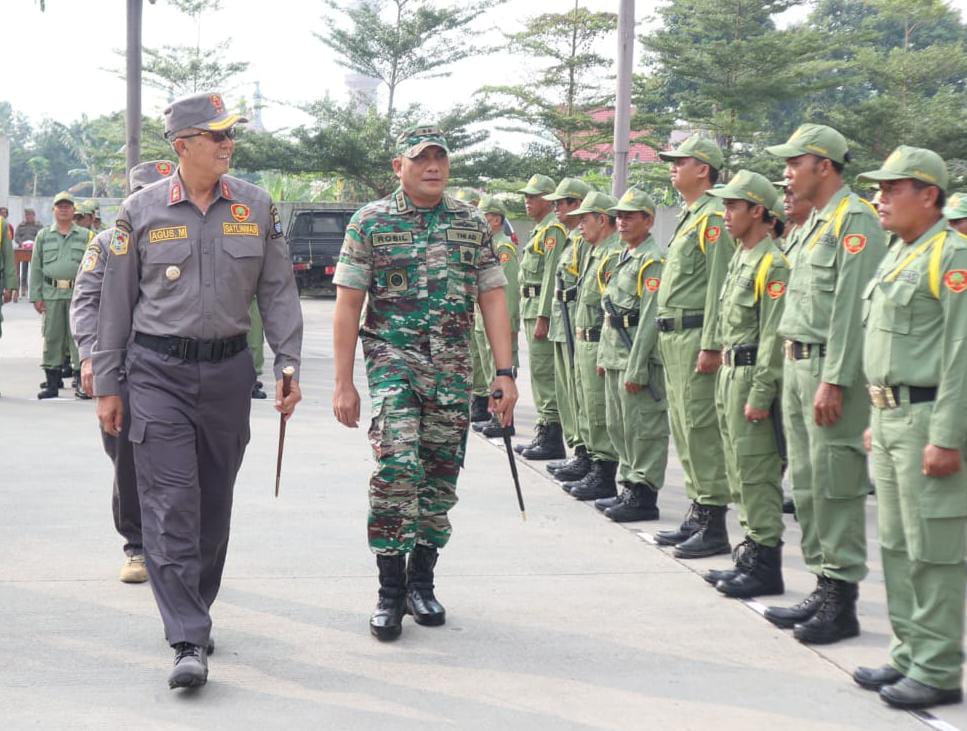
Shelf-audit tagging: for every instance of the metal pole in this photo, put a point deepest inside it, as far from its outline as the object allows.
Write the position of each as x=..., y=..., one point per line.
x=622, y=109
x=133, y=113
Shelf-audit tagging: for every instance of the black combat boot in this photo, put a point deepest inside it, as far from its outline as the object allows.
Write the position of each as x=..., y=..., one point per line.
x=538, y=431
x=835, y=619
x=641, y=504
x=910, y=694
x=579, y=452
x=788, y=617
x=420, y=602
x=788, y=506
x=387, y=620
x=78, y=391
x=599, y=482
x=257, y=392
x=603, y=503
x=578, y=467
x=52, y=387
x=763, y=577
x=740, y=560
x=478, y=409
x=550, y=446
x=711, y=539
x=686, y=530
x=67, y=370
x=493, y=430
x=60, y=380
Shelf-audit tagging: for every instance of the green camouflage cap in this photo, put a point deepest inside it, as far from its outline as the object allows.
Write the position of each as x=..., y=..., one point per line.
x=64, y=196
x=145, y=173
x=538, y=184
x=749, y=186
x=635, y=199
x=956, y=207
x=912, y=163
x=813, y=139
x=467, y=195
x=199, y=111
x=569, y=188
x=413, y=140
x=595, y=202
x=701, y=148
x=489, y=204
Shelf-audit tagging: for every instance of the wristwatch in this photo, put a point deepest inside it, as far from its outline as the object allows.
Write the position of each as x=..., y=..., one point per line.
x=509, y=372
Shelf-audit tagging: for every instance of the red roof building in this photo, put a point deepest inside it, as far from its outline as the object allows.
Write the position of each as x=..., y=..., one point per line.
x=602, y=151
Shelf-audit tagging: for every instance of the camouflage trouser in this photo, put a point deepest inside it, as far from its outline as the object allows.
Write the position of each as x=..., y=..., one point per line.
x=419, y=447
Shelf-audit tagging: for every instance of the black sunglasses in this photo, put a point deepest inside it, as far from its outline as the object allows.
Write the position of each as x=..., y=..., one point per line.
x=217, y=137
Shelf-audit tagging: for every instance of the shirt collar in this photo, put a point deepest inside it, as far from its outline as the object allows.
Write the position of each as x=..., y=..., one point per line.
x=932, y=231
x=177, y=194
x=830, y=208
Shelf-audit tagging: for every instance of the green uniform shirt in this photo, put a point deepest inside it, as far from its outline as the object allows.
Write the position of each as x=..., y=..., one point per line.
x=537, y=265
x=56, y=256
x=695, y=265
x=841, y=247
x=633, y=290
x=9, y=277
x=791, y=241
x=916, y=326
x=510, y=265
x=598, y=265
x=750, y=308
x=566, y=277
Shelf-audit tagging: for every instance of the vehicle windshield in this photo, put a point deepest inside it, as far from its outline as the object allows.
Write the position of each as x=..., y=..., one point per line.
x=316, y=224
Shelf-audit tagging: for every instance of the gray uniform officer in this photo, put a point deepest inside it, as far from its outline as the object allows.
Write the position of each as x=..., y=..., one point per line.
x=185, y=259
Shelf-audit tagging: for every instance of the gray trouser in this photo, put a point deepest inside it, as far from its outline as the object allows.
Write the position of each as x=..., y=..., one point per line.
x=125, y=503
x=189, y=427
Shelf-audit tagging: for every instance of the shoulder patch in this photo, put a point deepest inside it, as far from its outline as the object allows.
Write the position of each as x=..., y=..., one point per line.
x=549, y=243
x=123, y=225
x=119, y=242
x=277, y=221
x=854, y=243
x=652, y=284
x=956, y=280
x=504, y=256
x=90, y=258
x=712, y=234
x=776, y=289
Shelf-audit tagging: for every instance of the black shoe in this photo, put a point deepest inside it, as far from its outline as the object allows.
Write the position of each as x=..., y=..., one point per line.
x=420, y=601
x=576, y=468
x=740, y=560
x=909, y=694
x=554, y=465
x=191, y=666
x=66, y=370
x=210, y=650
x=603, y=503
x=478, y=426
x=539, y=429
x=478, y=409
x=788, y=506
x=53, y=385
x=876, y=678
x=789, y=617
x=712, y=537
x=78, y=391
x=386, y=623
x=493, y=429
x=689, y=527
x=640, y=504
x=574, y=484
x=257, y=392
x=549, y=446
x=835, y=619
x=762, y=577
x=599, y=483
x=60, y=381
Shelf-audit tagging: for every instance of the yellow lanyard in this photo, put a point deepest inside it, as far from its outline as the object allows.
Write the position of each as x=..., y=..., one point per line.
x=837, y=216
x=938, y=238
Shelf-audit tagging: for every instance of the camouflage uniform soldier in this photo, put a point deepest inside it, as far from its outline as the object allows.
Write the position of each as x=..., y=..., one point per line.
x=423, y=258
x=566, y=198
x=823, y=405
x=916, y=322
x=634, y=380
x=748, y=385
x=537, y=267
x=597, y=228
x=688, y=302
x=956, y=212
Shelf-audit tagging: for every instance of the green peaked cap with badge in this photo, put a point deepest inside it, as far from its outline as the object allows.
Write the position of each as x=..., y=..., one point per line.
x=956, y=207
x=416, y=138
x=595, y=202
x=751, y=187
x=489, y=204
x=569, y=188
x=634, y=199
x=537, y=185
x=813, y=139
x=912, y=163
x=701, y=148
x=64, y=196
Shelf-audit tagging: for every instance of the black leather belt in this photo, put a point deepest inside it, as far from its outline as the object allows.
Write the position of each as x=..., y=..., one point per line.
x=59, y=283
x=530, y=290
x=624, y=321
x=211, y=351
x=740, y=355
x=803, y=351
x=566, y=295
x=889, y=397
x=688, y=322
x=588, y=334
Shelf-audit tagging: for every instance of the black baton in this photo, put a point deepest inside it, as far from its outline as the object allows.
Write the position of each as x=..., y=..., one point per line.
x=497, y=395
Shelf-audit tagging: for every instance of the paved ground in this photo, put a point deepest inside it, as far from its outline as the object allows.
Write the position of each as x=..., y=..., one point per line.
x=566, y=621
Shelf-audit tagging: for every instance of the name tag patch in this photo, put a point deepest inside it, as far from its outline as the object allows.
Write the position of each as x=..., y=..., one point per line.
x=168, y=233
x=464, y=236
x=240, y=229
x=391, y=238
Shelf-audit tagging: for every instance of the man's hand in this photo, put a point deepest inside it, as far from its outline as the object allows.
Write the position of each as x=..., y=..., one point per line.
x=40, y=306
x=868, y=439
x=541, y=328
x=708, y=361
x=286, y=405
x=600, y=372
x=828, y=404
x=503, y=408
x=632, y=387
x=110, y=413
x=345, y=405
x=87, y=376
x=940, y=462
x=755, y=415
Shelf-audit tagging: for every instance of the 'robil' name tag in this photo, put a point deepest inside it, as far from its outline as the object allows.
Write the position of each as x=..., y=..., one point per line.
x=465, y=236
x=240, y=229
x=168, y=233
x=391, y=238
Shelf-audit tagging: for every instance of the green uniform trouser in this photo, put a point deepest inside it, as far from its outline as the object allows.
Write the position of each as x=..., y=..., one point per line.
x=482, y=363
x=566, y=392
x=593, y=426
x=256, y=338
x=922, y=521
x=752, y=460
x=58, y=340
x=638, y=427
x=828, y=469
x=691, y=411
x=542, y=375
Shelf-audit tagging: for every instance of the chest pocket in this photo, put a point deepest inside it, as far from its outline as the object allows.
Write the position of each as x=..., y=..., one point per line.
x=240, y=264
x=684, y=258
x=463, y=253
x=740, y=303
x=623, y=287
x=868, y=297
x=77, y=251
x=51, y=253
x=822, y=266
x=897, y=310
x=157, y=260
x=396, y=269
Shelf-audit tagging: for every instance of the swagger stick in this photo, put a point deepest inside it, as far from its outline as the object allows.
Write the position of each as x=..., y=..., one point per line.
x=287, y=374
x=497, y=395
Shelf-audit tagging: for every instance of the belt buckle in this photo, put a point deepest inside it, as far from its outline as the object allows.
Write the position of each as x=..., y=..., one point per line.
x=882, y=397
x=62, y=284
x=790, y=349
x=728, y=356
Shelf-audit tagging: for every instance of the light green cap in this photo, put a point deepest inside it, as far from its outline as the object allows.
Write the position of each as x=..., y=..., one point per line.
x=416, y=138
x=538, y=184
x=813, y=139
x=956, y=207
x=635, y=199
x=468, y=195
x=749, y=186
x=912, y=163
x=781, y=184
x=64, y=196
x=701, y=148
x=489, y=204
x=569, y=188
x=595, y=202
